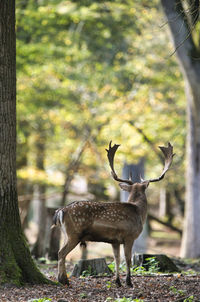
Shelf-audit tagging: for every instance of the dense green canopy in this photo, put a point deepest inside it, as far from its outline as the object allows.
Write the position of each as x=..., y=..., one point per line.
x=95, y=69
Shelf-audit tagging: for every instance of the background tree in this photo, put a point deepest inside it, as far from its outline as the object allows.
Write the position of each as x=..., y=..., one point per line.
x=98, y=66
x=16, y=264
x=183, y=20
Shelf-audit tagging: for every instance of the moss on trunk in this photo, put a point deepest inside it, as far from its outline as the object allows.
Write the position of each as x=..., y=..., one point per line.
x=16, y=264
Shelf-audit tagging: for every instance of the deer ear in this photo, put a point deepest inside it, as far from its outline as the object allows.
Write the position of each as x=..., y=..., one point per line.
x=125, y=187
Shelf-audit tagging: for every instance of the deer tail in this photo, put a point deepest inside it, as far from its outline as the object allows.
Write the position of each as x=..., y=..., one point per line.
x=57, y=218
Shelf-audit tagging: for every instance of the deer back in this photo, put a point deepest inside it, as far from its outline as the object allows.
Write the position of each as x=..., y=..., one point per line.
x=98, y=221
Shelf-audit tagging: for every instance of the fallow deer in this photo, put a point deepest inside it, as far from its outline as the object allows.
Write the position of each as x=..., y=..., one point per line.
x=112, y=222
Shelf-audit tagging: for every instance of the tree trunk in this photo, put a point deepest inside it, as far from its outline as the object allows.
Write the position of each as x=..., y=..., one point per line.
x=190, y=246
x=40, y=246
x=137, y=171
x=53, y=236
x=187, y=54
x=16, y=264
x=162, y=203
x=72, y=168
x=91, y=267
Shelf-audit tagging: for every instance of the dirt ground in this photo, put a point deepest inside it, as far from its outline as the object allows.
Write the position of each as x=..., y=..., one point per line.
x=172, y=287
x=184, y=286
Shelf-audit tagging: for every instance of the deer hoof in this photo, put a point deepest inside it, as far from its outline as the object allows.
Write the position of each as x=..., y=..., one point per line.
x=118, y=282
x=129, y=283
x=63, y=279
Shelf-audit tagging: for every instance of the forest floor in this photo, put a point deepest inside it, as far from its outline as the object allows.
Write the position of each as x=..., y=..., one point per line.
x=184, y=286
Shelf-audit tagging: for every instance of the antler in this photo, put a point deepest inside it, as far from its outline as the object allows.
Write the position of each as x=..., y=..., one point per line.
x=168, y=153
x=110, y=154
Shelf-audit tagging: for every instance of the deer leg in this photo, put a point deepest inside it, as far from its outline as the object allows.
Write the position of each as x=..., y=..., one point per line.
x=128, y=252
x=63, y=252
x=116, y=252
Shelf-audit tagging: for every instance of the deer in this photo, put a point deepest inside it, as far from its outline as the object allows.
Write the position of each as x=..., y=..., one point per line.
x=111, y=222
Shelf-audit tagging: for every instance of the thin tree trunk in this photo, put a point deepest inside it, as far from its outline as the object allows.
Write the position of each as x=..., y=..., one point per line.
x=52, y=236
x=186, y=53
x=137, y=171
x=16, y=264
x=55, y=234
x=40, y=246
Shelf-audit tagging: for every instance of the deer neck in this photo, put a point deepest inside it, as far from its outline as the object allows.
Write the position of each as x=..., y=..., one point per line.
x=139, y=199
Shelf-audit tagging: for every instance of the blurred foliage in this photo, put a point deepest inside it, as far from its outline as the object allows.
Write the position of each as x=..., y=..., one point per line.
x=99, y=70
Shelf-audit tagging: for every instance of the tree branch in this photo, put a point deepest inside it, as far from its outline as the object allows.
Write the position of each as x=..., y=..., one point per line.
x=167, y=224
x=193, y=10
x=185, y=48
x=181, y=34
x=147, y=140
x=73, y=167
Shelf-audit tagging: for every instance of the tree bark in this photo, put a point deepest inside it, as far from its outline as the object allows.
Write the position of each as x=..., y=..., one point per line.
x=92, y=267
x=16, y=264
x=190, y=246
x=187, y=53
